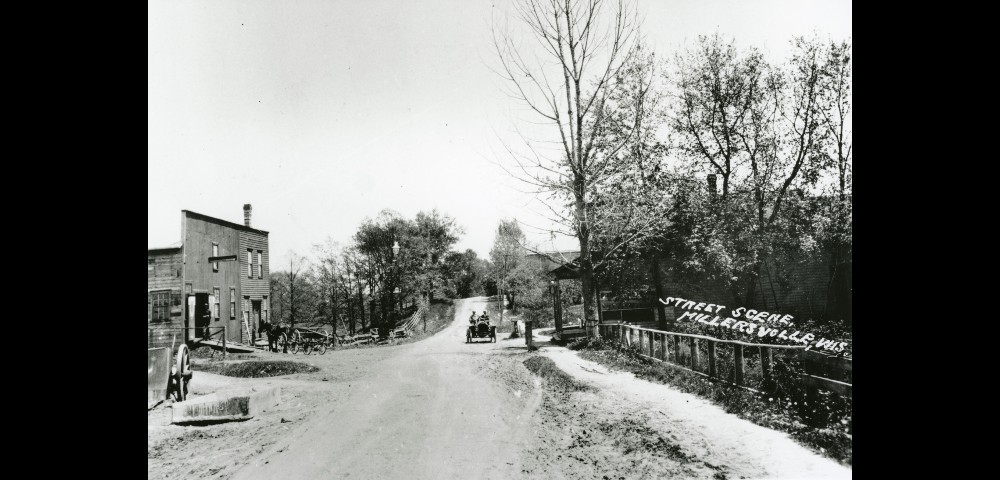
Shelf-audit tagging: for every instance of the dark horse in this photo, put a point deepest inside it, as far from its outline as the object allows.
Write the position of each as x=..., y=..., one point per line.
x=274, y=332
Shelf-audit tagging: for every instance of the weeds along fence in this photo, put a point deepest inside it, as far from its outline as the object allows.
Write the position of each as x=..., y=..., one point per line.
x=751, y=366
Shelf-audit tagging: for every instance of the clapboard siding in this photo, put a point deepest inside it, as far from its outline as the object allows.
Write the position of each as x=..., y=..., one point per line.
x=163, y=269
x=175, y=268
x=256, y=287
x=164, y=272
x=199, y=233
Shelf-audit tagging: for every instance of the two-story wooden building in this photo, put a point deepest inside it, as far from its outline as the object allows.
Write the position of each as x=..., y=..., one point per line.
x=217, y=276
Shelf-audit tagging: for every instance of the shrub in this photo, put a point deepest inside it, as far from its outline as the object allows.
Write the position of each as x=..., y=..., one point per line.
x=258, y=369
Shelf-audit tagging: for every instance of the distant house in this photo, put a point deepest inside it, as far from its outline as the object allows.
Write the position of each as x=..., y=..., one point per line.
x=216, y=276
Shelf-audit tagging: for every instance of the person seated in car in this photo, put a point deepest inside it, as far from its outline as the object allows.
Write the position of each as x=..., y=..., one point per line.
x=485, y=318
x=472, y=318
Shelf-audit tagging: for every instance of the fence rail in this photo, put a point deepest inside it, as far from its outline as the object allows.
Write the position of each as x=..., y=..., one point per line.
x=668, y=348
x=208, y=335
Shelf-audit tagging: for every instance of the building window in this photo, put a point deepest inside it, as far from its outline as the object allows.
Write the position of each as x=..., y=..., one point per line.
x=263, y=310
x=249, y=263
x=215, y=253
x=161, y=305
x=260, y=265
x=232, y=302
x=215, y=304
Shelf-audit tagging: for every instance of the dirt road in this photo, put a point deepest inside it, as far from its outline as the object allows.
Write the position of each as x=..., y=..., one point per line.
x=427, y=412
x=440, y=408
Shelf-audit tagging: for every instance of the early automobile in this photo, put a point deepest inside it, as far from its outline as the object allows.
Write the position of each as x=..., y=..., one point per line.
x=482, y=329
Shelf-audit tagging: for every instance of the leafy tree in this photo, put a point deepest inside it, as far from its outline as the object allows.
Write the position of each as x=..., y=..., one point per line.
x=383, y=267
x=763, y=130
x=506, y=256
x=432, y=238
x=467, y=272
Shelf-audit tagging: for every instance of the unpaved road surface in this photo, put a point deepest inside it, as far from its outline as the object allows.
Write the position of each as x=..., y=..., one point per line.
x=427, y=412
x=443, y=409
x=705, y=441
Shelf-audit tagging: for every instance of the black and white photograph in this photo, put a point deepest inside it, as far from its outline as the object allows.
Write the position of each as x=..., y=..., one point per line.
x=499, y=239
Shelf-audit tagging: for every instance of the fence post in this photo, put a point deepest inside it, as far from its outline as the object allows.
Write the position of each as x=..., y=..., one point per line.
x=224, y=351
x=738, y=349
x=765, y=366
x=712, y=372
x=677, y=349
x=694, y=353
x=663, y=347
x=651, y=345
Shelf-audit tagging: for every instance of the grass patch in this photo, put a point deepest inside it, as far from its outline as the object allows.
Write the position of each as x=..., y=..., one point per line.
x=820, y=420
x=259, y=369
x=547, y=369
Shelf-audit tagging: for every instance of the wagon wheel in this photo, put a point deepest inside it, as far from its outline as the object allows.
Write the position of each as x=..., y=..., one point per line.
x=321, y=348
x=180, y=373
x=296, y=346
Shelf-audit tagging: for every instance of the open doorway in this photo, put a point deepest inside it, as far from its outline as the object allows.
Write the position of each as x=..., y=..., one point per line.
x=255, y=319
x=199, y=314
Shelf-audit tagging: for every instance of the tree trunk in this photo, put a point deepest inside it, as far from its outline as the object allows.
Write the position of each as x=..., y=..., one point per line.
x=384, y=307
x=752, y=281
x=350, y=315
x=586, y=272
x=333, y=309
x=661, y=311
x=557, y=299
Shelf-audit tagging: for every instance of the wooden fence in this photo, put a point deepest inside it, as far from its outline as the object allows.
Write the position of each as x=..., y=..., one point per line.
x=169, y=336
x=727, y=360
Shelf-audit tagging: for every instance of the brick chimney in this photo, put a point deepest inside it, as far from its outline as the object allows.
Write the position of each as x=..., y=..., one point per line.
x=246, y=214
x=712, y=188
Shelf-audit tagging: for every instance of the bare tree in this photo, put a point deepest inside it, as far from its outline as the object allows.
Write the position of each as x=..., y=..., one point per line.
x=570, y=79
x=329, y=273
x=292, y=292
x=836, y=111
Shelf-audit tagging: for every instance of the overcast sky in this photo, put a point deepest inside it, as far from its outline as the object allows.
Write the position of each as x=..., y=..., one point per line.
x=323, y=113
